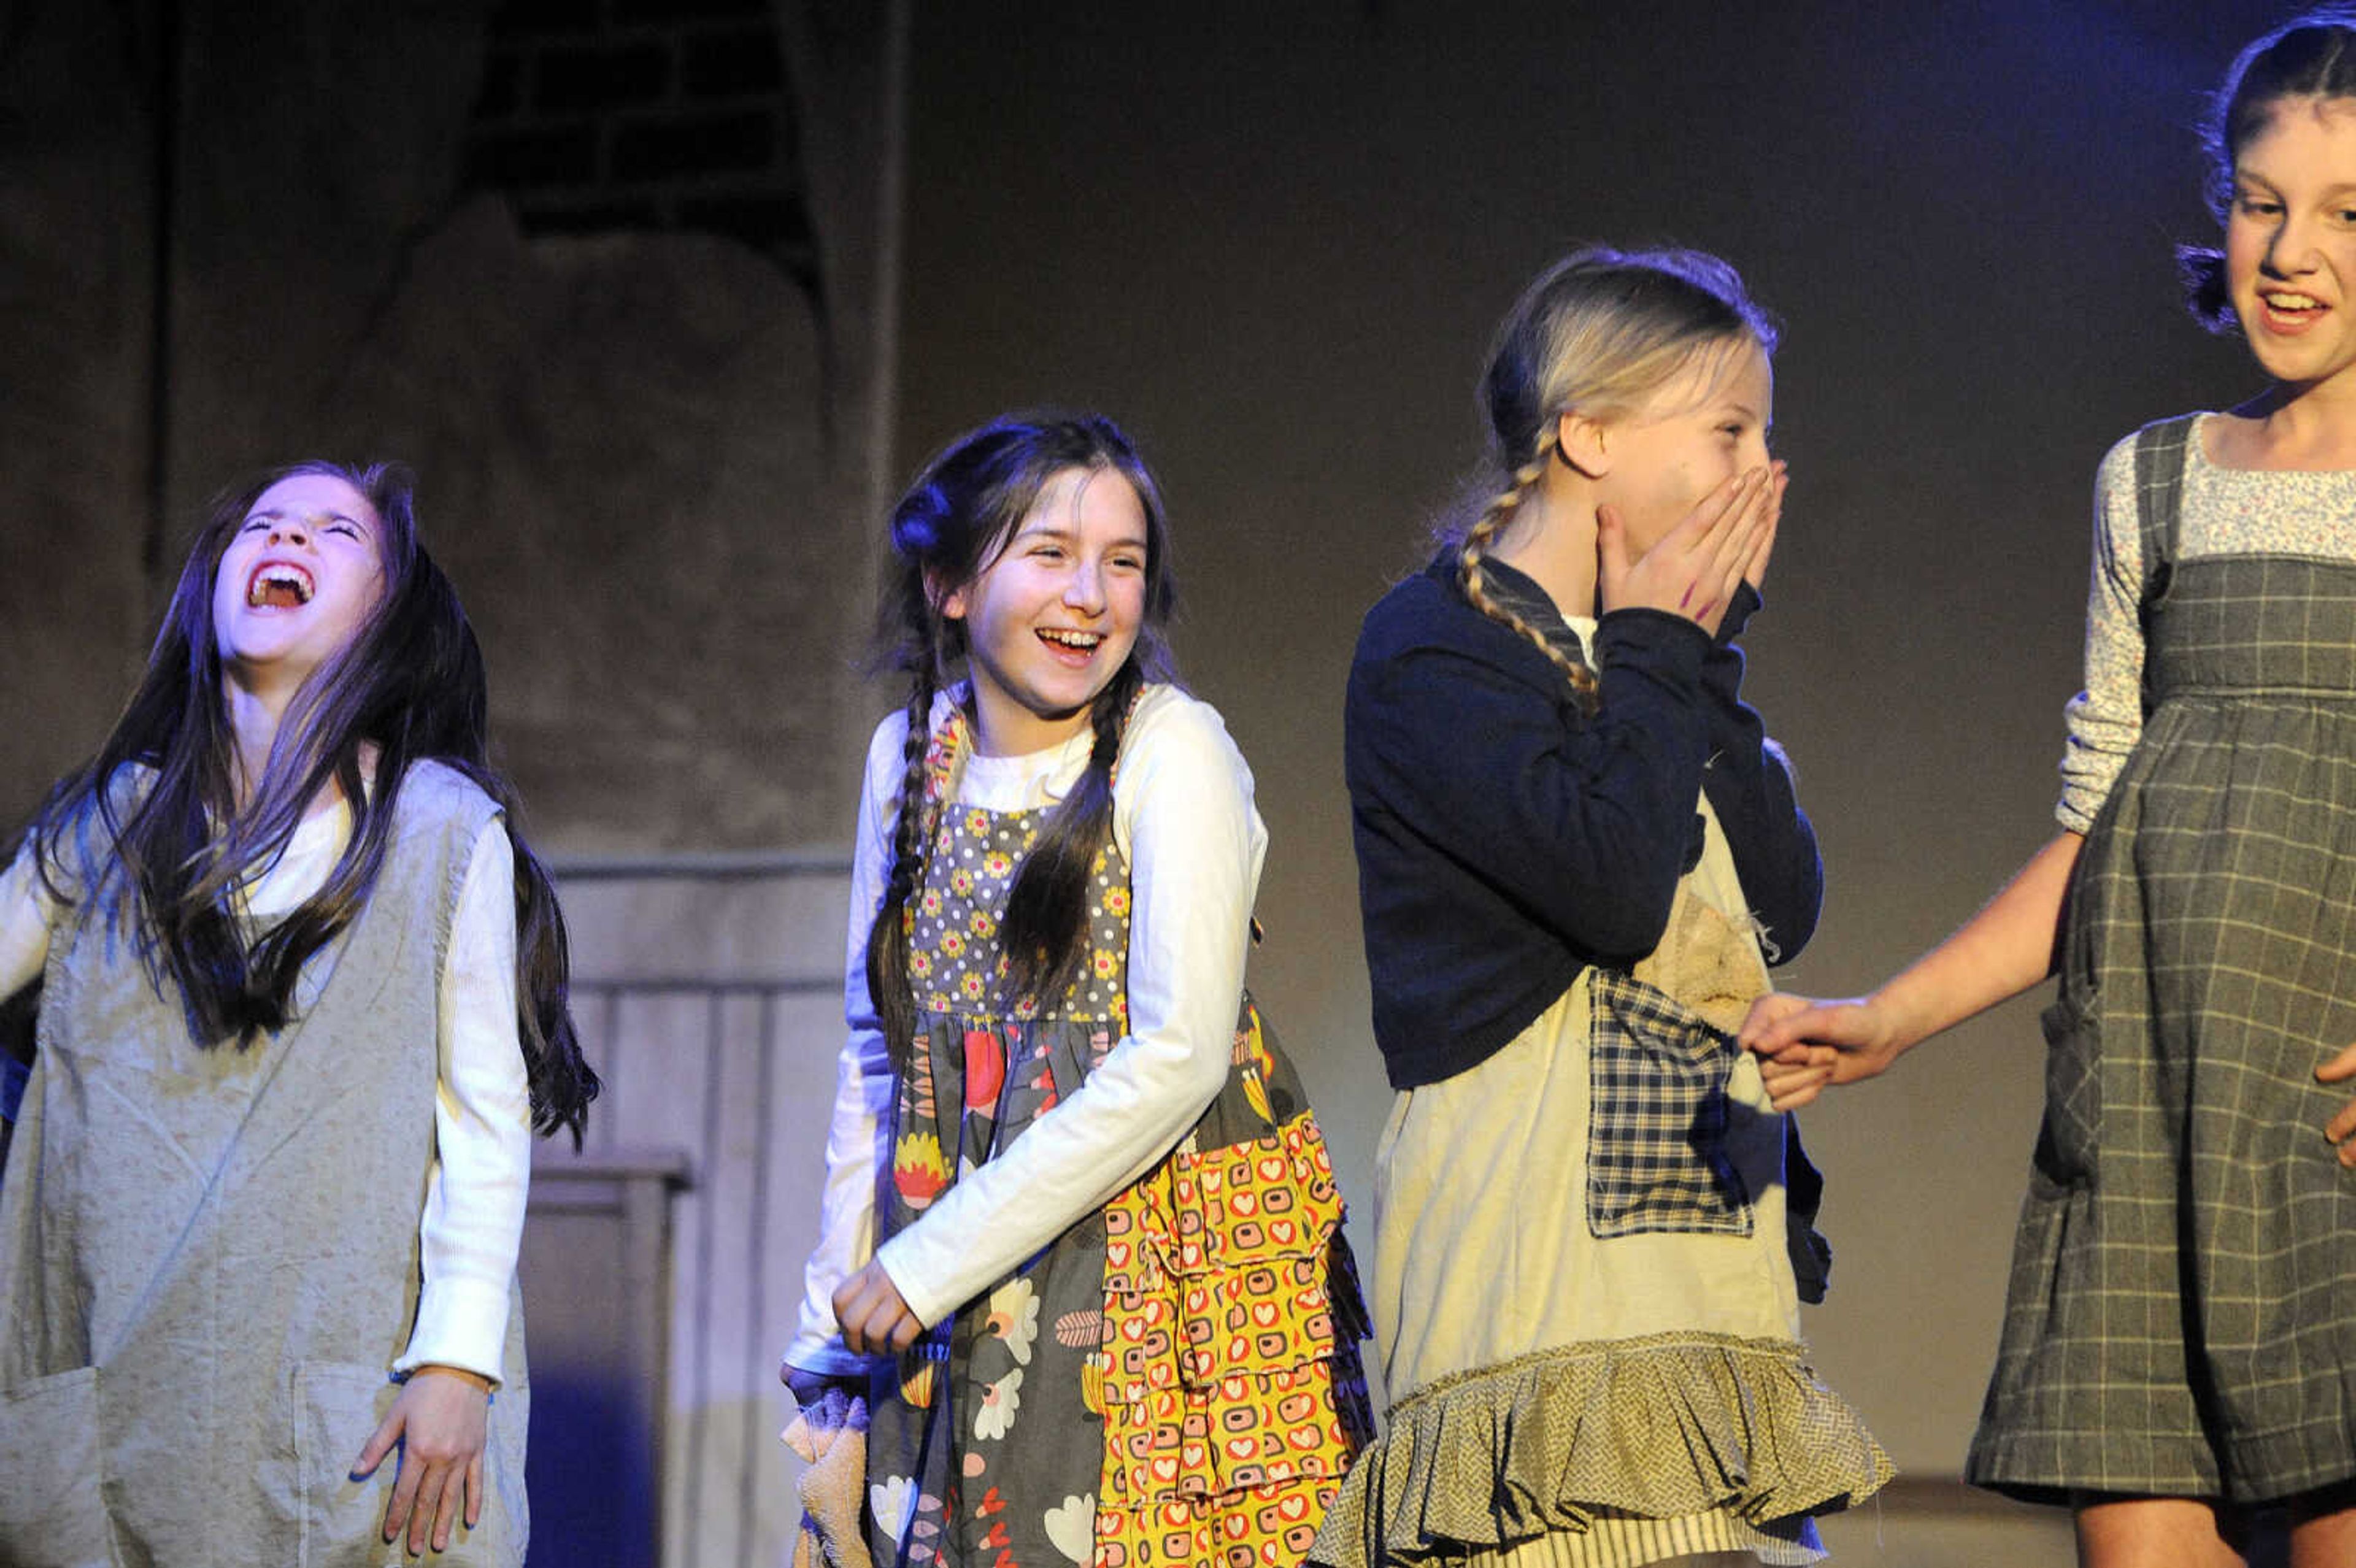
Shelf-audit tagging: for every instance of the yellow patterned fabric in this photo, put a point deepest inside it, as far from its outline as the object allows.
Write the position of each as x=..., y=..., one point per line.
x=1231, y=1391
x=1175, y=1378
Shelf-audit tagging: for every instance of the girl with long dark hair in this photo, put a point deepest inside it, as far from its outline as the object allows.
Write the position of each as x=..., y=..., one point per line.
x=301, y=1007
x=1081, y=1249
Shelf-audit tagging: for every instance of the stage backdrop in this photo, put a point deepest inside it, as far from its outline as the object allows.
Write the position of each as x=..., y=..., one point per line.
x=652, y=402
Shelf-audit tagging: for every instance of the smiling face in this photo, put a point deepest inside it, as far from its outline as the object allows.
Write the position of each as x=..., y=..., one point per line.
x=1054, y=614
x=2290, y=241
x=1704, y=425
x=301, y=571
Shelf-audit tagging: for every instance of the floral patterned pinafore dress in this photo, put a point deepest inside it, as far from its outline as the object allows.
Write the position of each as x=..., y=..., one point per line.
x=1175, y=1378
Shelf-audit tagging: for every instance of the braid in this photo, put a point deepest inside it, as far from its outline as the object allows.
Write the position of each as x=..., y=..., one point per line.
x=1600, y=331
x=947, y=530
x=1045, y=929
x=1108, y=722
x=887, y=939
x=1494, y=517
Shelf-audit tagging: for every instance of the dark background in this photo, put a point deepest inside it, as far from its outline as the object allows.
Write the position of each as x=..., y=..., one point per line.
x=660, y=336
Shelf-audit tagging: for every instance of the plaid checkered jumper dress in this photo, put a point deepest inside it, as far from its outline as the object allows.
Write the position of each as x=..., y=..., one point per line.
x=2183, y=1309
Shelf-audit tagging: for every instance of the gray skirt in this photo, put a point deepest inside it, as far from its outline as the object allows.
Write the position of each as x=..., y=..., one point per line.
x=2181, y=1318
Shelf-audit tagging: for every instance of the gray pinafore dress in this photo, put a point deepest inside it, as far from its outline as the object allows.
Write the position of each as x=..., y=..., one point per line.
x=210, y=1258
x=2181, y=1318
x=1175, y=1378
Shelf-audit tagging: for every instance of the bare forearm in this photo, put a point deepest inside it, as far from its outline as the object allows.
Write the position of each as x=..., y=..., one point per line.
x=2002, y=951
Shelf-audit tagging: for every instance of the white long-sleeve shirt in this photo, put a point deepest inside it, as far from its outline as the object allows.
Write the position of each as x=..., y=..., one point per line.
x=1183, y=819
x=472, y=1225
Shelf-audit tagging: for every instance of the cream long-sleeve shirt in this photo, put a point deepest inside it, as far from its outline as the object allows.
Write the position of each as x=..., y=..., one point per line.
x=472, y=1224
x=1183, y=819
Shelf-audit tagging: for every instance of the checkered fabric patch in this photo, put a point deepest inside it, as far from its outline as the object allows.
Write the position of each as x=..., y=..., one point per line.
x=1656, y=1155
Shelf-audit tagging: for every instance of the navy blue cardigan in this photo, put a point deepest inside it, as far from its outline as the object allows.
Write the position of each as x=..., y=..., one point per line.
x=1506, y=840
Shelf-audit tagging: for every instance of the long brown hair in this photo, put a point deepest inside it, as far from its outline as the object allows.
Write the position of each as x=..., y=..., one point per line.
x=411, y=683
x=947, y=528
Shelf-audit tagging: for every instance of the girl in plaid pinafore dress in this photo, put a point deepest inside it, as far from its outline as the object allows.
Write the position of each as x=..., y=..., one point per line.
x=1081, y=1265
x=2178, y=1354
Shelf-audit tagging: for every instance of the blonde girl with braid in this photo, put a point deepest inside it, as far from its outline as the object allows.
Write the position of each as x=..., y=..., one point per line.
x=1578, y=854
x=1081, y=1274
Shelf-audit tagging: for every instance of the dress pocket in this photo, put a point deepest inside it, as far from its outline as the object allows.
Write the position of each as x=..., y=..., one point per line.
x=340, y=1521
x=51, y=1512
x=1657, y=1116
x=2071, y=1133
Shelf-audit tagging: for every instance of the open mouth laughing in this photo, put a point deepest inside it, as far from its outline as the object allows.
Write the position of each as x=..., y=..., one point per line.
x=279, y=585
x=2290, y=310
x=1075, y=645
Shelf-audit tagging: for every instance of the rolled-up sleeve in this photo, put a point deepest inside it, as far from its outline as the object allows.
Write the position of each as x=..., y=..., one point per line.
x=2104, y=720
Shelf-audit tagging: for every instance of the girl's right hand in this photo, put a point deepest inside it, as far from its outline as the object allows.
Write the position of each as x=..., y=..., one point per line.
x=1695, y=567
x=1779, y=479
x=874, y=1316
x=1806, y=1046
x=440, y=1423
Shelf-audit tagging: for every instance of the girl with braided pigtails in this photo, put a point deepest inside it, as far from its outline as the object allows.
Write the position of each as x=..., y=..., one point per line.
x=1578, y=851
x=1080, y=1258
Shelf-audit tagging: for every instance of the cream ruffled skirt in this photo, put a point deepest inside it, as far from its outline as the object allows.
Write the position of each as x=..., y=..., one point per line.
x=1584, y=1291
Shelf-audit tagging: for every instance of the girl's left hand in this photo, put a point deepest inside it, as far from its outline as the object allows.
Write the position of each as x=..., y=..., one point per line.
x=2341, y=1128
x=873, y=1314
x=1694, y=569
x=440, y=1423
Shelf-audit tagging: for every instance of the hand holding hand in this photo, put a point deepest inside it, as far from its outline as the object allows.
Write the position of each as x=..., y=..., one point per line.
x=1693, y=569
x=440, y=1423
x=1806, y=1046
x=874, y=1316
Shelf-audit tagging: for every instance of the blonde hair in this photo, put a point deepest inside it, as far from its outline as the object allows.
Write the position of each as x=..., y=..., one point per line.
x=1600, y=331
